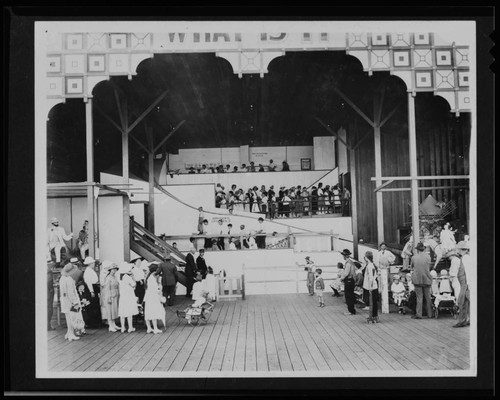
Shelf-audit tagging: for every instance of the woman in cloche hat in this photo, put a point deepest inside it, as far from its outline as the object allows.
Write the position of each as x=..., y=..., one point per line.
x=69, y=298
x=110, y=294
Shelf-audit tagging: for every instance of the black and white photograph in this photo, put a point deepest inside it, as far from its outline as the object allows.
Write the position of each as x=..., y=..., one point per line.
x=256, y=199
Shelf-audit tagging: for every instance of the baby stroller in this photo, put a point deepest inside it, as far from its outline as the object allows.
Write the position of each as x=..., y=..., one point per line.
x=195, y=315
x=444, y=302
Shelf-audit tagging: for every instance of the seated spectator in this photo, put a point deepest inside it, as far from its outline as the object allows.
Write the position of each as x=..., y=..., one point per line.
x=235, y=169
x=204, y=169
x=232, y=244
x=271, y=166
x=261, y=168
x=243, y=168
x=285, y=167
x=228, y=168
x=398, y=291
x=337, y=285
x=242, y=242
x=251, y=167
x=191, y=170
x=252, y=244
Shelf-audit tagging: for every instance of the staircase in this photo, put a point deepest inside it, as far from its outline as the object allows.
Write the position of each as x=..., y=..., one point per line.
x=152, y=248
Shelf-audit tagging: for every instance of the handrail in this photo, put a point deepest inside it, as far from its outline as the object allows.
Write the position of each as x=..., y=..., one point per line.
x=160, y=243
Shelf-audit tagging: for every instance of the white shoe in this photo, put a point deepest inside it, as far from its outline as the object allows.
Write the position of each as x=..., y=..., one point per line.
x=366, y=308
x=150, y=331
x=112, y=329
x=122, y=329
x=157, y=331
x=131, y=330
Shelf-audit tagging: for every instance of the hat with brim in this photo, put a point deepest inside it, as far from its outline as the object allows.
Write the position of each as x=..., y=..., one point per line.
x=88, y=260
x=109, y=265
x=67, y=269
x=420, y=246
x=73, y=260
x=145, y=265
x=125, y=268
x=345, y=252
x=53, y=220
x=463, y=245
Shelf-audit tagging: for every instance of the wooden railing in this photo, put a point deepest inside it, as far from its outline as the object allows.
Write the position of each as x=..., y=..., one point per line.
x=152, y=243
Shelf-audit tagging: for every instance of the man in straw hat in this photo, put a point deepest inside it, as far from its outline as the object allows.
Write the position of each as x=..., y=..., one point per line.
x=422, y=280
x=55, y=239
x=347, y=276
x=463, y=275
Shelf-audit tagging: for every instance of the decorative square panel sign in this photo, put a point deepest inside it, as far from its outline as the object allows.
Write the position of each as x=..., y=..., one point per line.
x=400, y=39
x=118, y=63
x=401, y=58
x=74, y=85
x=96, y=63
x=118, y=41
x=74, y=41
x=54, y=64
x=423, y=79
x=443, y=57
x=421, y=38
x=463, y=78
x=54, y=86
x=379, y=39
x=445, y=79
x=74, y=64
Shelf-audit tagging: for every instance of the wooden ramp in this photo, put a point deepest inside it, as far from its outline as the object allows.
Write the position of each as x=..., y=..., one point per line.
x=282, y=333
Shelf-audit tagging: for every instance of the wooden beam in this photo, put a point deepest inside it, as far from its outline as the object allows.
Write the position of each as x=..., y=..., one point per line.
x=89, y=134
x=151, y=179
x=378, y=114
x=147, y=111
x=362, y=139
x=420, y=178
x=103, y=113
x=377, y=146
x=415, y=216
x=356, y=108
x=119, y=106
x=424, y=188
x=382, y=123
x=354, y=203
x=332, y=132
x=169, y=135
x=382, y=186
x=139, y=142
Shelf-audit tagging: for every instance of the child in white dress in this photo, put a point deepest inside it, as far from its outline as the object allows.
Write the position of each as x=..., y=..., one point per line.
x=209, y=285
x=398, y=291
x=154, y=310
x=435, y=283
x=127, y=306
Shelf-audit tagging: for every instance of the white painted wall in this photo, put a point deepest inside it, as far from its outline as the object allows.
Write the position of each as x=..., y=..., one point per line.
x=111, y=231
x=324, y=152
x=343, y=164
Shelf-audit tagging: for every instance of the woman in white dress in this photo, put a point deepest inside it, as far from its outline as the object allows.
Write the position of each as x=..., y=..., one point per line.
x=127, y=306
x=69, y=299
x=154, y=310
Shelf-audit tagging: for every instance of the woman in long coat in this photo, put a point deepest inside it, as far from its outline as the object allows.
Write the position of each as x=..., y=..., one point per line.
x=111, y=294
x=69, y=299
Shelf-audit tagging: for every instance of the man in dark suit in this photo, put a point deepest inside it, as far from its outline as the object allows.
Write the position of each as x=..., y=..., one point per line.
x=190, y=271
x=201, y=264
x=169, y=279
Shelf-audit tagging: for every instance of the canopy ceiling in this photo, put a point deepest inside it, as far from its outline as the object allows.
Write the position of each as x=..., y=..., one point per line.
x=219, y=108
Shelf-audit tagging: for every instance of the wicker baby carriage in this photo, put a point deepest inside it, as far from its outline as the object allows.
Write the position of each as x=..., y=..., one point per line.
x=196, y=315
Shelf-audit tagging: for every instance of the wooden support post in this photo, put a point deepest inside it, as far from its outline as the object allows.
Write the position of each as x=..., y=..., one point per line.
x=151, y=176
x=354, y=203
x=377, y=107
x=90, y=175
x=384, y=289
x=413, y=168
x=126, y=229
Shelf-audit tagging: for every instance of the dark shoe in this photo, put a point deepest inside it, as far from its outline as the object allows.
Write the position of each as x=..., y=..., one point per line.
x=416, y=317
x=459, y=325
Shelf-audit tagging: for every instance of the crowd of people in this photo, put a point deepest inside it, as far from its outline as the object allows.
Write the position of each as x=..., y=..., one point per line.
x=220, y=169
x=293, y=202
x=421, y=286
x=95, y=295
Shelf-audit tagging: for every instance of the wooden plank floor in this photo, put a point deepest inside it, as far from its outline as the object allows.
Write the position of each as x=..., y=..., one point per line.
x=270, y=333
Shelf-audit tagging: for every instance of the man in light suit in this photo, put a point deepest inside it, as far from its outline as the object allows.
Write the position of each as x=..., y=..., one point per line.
x=55, y=239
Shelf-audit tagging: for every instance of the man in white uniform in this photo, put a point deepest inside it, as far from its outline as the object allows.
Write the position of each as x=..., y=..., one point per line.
x=55, y=239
